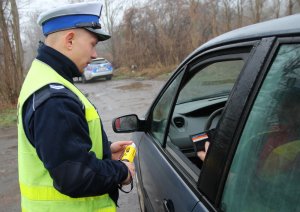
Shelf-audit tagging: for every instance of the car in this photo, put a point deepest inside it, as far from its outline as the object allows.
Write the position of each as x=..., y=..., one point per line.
x=241, y=92
x=97, y=68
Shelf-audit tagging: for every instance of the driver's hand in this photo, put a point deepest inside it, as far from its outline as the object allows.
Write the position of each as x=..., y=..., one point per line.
x=202, y=154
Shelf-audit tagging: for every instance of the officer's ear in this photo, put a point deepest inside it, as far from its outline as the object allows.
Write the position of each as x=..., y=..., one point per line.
x=69, y=39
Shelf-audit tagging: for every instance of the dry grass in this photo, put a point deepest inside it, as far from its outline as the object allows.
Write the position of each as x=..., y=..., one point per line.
x=157, y=72
x=5, y=106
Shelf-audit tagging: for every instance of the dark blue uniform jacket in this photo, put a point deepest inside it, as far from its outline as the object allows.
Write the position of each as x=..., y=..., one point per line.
x=54, y=122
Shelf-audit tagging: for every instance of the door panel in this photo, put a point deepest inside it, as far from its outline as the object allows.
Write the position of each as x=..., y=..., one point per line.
x=169, y=187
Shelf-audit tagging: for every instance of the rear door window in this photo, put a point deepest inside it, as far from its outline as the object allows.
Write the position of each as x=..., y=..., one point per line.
x=265, y=172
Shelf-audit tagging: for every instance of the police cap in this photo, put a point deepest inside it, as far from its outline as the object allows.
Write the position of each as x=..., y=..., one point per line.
x=80, y=15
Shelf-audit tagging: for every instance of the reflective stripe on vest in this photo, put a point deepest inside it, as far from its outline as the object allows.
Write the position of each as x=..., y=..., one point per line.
x=36, y=185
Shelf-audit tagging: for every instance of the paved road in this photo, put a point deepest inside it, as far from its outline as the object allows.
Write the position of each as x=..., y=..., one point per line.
x=112, y=98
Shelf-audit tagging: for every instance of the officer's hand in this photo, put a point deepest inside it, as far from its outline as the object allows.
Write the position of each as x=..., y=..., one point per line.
x=131, y=173
x=117, y=149
x=202, y=154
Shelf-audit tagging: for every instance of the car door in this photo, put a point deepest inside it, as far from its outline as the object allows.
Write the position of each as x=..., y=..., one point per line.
x=169, y=168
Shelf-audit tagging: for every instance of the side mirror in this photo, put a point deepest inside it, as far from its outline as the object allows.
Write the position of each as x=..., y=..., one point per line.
x=126, y=124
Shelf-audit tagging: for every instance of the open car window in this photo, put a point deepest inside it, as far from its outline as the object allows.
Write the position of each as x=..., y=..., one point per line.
x=205, y=91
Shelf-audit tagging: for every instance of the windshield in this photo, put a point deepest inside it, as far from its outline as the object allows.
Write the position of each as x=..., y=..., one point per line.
x=213, y=81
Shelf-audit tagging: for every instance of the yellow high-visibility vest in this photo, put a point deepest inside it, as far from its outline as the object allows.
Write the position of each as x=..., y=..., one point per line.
x=36, y=185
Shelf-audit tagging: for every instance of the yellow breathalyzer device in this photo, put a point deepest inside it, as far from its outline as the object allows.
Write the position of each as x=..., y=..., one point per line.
x=129, y=153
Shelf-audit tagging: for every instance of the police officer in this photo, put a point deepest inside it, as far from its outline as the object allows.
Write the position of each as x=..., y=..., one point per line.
x=66, y=162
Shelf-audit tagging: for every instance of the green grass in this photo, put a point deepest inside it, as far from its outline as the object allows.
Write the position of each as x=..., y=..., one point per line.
x=8, y=117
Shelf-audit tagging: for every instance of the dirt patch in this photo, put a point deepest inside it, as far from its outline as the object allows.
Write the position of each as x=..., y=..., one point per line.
x=134, y=86
x=9, y=189
x=8, y=132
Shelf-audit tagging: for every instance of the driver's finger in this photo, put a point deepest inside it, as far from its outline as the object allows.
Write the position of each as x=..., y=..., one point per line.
x=206, y=145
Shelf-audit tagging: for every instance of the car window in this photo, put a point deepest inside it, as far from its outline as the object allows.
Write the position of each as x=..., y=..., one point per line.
x=162, y=109
x=205, y=91
x=215, y=80
x=265, y=173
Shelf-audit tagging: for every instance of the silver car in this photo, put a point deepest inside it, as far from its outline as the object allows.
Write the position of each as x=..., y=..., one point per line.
x=241, y=91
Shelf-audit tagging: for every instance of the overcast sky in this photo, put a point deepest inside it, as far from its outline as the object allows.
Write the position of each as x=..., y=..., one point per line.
x=27, y=7
x=30, y=6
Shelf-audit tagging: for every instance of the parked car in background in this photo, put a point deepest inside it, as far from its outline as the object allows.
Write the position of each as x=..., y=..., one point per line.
x=243, y=89
x=98, y=68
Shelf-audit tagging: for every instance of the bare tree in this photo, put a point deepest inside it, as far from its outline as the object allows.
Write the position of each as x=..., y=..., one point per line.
x=16, y=40
x=12, y=68
x=112, y=10
x=228, y=13
x=277, y=7
x=290, y=7
x=240, y=12
x=32, y=35
x=195, y=20
x=256, y=9
x=214, y=9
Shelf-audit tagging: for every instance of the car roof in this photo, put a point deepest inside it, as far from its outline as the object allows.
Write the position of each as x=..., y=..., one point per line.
x=288, y=25
x=98, y=58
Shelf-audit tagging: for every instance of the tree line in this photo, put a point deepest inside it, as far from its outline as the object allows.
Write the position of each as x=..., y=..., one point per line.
x=149, y=34
x=163, y=32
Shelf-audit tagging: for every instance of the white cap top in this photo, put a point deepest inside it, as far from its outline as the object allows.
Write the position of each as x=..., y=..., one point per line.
x=79, y=15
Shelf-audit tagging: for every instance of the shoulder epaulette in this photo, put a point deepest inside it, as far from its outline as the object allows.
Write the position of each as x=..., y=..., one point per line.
x=50, y=91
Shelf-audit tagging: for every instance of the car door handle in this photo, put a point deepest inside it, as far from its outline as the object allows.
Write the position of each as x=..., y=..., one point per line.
x=168, y=205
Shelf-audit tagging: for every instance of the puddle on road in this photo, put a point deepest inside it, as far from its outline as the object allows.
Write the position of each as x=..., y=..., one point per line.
x=133, y=86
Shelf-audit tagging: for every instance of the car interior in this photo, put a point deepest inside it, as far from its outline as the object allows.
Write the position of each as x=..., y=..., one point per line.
x=188, y=121
x=200, y=104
